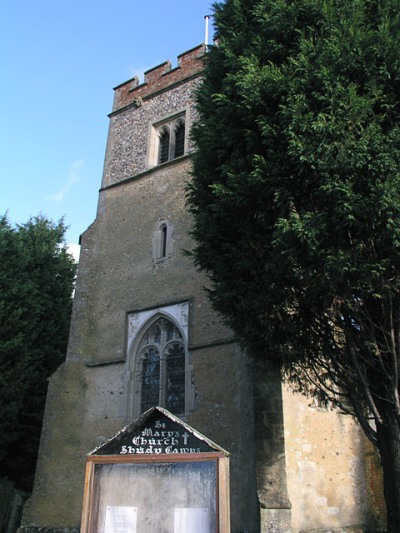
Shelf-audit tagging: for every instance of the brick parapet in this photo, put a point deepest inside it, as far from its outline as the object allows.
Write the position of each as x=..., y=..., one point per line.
x=160, y=78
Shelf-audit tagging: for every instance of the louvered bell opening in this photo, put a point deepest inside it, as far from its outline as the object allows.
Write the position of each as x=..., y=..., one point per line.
x=164, y=147
x=180, y=140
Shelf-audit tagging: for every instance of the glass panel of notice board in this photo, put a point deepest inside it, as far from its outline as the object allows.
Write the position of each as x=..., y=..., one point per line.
x=165, y=497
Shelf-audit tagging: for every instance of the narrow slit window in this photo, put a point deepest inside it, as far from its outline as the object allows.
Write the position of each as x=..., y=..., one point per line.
x=163, y=241
x=164, y=236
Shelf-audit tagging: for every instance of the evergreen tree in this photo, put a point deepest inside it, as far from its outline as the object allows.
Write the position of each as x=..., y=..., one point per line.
x=296, y=199
x=36, y=283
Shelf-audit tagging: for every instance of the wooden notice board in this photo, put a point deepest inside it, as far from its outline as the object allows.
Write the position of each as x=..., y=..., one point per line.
x=157, y=475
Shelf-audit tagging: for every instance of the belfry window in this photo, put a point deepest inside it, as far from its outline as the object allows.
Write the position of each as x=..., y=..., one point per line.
x=167, y=140
x=161, y=365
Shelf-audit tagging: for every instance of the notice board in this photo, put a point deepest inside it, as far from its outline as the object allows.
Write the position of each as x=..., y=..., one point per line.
x=157, y=475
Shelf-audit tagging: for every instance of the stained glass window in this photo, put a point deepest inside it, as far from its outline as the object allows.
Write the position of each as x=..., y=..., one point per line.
x=151, y=377
x=175, y=393
x=162, y=360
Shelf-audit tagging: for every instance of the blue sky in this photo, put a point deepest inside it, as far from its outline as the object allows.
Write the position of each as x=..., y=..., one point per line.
x=59, y=61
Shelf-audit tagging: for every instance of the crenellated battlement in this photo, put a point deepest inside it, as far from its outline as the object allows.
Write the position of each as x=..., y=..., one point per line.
x=159, y=78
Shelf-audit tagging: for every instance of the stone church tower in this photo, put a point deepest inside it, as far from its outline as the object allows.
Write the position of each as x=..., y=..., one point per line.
x=143, y=334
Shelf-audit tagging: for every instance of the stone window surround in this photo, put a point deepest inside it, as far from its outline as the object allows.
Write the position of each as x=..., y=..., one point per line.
x=171, y=121
x=138, y=324
x=163, y=242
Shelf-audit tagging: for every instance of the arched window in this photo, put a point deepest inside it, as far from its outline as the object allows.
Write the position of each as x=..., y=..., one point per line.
x=161, y=365
x=158, y=368
x=163, y=241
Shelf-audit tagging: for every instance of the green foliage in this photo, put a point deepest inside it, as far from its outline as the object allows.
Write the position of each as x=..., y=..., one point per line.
x=36, y=283
x=296, y=193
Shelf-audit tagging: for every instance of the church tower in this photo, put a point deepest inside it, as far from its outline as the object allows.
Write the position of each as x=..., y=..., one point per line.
x=143, y=334
x=142, y=331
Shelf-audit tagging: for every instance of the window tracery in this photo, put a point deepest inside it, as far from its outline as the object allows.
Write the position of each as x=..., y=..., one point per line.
x=161, y=367
x=158, y=368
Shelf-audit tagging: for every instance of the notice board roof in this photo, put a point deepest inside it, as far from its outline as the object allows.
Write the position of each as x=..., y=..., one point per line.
x=157, y=431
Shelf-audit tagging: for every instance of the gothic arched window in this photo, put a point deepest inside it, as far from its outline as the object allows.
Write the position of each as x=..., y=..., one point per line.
x=161, y=366
x=158, y=368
